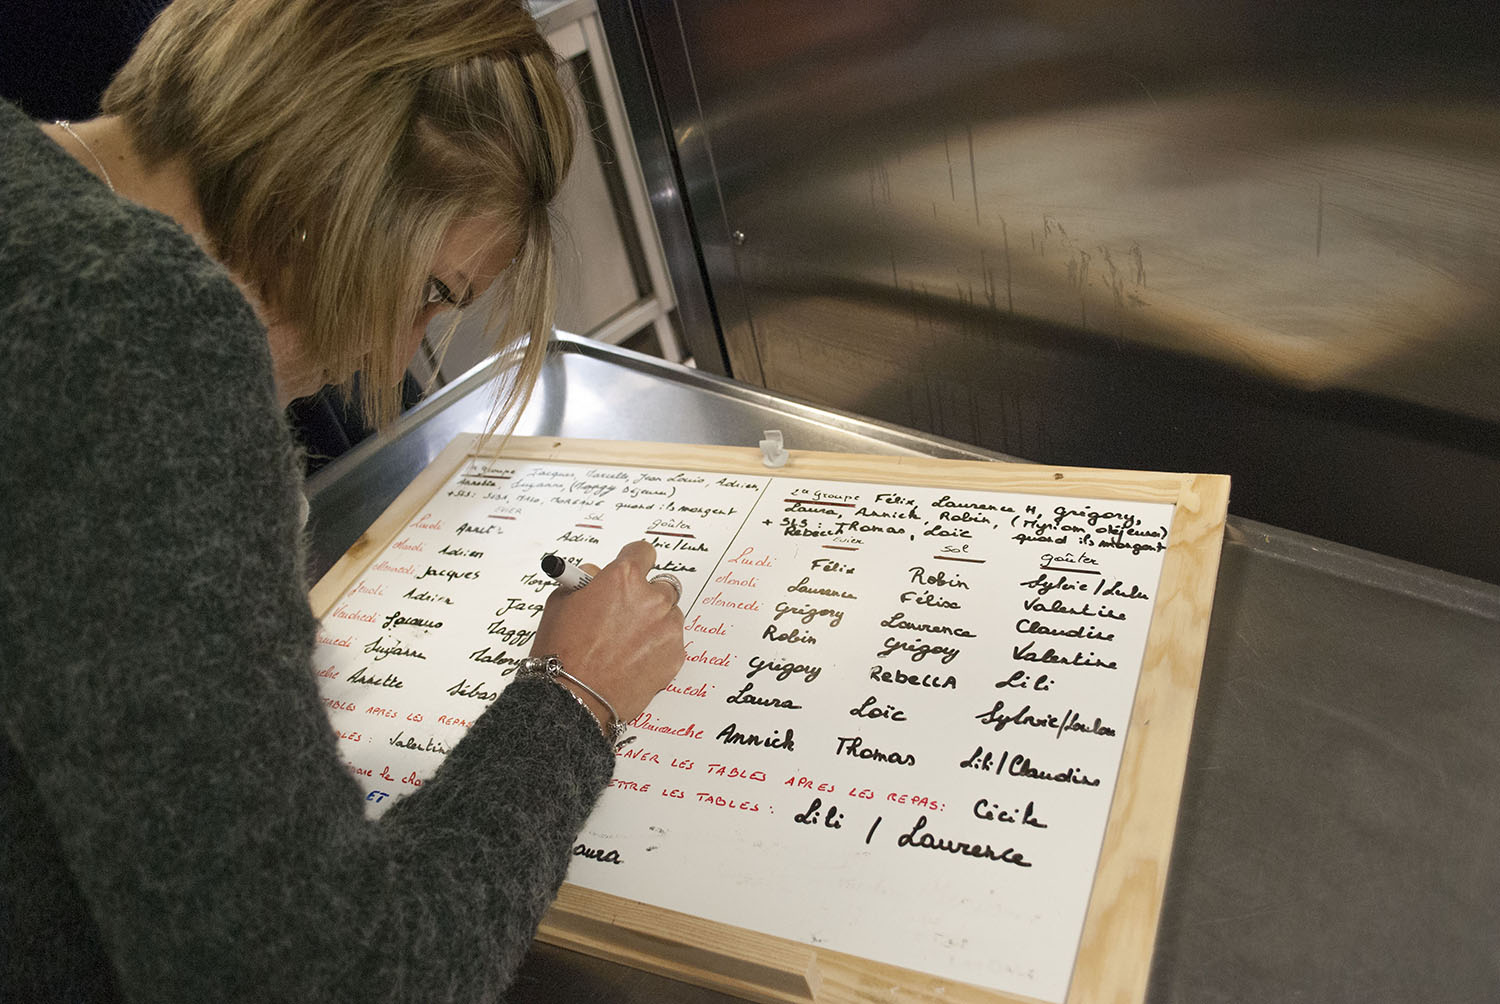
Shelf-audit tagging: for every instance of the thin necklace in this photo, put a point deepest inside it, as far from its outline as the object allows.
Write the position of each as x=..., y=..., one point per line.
x=67, y=127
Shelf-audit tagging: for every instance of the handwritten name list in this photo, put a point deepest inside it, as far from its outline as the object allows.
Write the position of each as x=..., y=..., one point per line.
x=899, y=723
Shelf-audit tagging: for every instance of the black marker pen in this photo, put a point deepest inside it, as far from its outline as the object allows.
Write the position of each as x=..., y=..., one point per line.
x=567, y=574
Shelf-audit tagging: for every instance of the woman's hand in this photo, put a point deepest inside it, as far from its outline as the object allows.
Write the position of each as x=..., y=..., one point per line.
x=619, y=634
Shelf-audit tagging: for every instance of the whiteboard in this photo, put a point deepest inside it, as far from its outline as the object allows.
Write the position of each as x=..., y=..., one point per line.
x=900, y=724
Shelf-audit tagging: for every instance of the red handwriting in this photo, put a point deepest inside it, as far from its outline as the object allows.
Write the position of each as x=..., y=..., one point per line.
x=615, y=782
x=919, y=800
x=728, y=579
x=709, y=658
x=647, y=721
x=697, y=625
x=726, y=770
x=709, y=798
x=718, y=600
x=797, y=781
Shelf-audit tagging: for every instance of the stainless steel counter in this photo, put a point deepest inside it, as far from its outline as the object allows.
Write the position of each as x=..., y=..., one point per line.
x=1339, y=836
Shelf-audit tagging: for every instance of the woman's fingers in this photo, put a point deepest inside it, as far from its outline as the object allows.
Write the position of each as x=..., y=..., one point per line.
x=669, y=586
x=621, y=634
x=639, y=555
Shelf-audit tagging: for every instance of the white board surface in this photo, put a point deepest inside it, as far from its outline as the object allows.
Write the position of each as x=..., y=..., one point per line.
x=898, y=728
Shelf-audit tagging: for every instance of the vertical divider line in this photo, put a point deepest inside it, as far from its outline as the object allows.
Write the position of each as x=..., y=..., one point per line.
x=750, y=512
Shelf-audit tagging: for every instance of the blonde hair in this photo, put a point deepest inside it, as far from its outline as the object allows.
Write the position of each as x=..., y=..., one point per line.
x=334, y=142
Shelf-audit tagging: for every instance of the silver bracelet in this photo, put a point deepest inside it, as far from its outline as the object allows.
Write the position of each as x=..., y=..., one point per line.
x=550, y=667
x=584, y=705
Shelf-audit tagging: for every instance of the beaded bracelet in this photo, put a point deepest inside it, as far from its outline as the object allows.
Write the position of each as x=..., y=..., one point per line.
x=550, y=667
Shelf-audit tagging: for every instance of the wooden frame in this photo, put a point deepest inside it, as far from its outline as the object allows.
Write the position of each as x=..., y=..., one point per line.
x=1114, y=955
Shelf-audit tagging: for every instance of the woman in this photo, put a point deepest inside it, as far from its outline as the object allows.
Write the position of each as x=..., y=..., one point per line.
x=279, y=194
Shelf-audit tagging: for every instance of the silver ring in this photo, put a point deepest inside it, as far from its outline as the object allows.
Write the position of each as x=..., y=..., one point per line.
x=670, y=580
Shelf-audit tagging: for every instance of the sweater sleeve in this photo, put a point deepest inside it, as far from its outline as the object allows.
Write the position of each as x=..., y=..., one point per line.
x=157, y=689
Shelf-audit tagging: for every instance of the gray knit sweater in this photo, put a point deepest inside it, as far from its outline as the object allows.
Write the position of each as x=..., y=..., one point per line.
x=175, y=820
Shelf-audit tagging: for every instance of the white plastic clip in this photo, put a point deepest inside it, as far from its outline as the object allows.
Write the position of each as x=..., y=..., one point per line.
x=772, y=452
